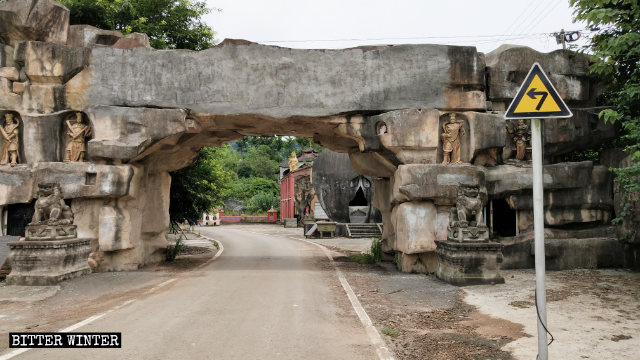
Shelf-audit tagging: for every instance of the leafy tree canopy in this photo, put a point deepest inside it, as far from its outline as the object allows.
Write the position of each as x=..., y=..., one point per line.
x=615, y=53
x=170, y=24
x=201, y=186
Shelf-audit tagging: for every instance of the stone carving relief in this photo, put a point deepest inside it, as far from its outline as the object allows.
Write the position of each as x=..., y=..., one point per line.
x=51, y=251
x=304, y=197
x=10, y=153
x=78, y=134
x=465, y=218
x=452, y=131
x=50, y=207
x=52, y=219
x=520, y=138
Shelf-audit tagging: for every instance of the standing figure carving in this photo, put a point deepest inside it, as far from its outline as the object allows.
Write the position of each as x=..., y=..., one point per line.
x=77, y=136
x=303, y=199
x=520, y=136
x=453, y=129
x=10, y=141
x=293, y=161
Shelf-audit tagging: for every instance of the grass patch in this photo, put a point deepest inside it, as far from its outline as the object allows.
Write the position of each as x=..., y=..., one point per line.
x=398, y=260
x=390, y=331
x=374, y=255
x=362, y=258
x=376, y=250
x=173, y=250
x=215, y=243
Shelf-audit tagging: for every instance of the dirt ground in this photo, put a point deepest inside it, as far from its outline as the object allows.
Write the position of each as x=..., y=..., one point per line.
x=592, y=314
x=423, y=318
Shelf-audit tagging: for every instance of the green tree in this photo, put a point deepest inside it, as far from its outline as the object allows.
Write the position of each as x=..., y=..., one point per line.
x=282, y=145
x=260, y=161
x=245, y=188
x=615, y=50
x=170, y=24
x=201, y=186
x=262, y=202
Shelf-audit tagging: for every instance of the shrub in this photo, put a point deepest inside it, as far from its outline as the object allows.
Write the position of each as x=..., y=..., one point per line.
x=173, y=250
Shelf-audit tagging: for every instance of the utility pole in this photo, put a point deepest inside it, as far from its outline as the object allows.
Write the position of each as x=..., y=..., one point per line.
x=561, y=39
x=564, y=37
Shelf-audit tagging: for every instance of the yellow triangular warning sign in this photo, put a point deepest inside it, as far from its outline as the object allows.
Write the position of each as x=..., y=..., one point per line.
x=537, y=98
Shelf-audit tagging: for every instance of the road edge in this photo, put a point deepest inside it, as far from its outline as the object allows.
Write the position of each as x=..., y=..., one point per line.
x=381, y=348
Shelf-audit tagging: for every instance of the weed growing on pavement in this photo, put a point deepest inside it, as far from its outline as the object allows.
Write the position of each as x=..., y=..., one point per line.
x=398, y=260
x=215, y=243
x=362, y=258
x=389, y=331
x=376, y=250
x=374, y=256
x=173, y=250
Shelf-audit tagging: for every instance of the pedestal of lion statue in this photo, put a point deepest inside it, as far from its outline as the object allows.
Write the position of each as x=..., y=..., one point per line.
x=51, y=251
x=468, y=257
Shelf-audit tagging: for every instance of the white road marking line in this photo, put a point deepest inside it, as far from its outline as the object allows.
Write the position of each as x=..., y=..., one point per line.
x=84, y=322
x=217, y=255
x=164, y=283
x=75, y=326
x=376, y=340
x=13, y=354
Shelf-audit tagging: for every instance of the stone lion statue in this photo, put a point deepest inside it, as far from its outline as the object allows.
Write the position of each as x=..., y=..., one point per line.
x=50, y=207
x=468, y=208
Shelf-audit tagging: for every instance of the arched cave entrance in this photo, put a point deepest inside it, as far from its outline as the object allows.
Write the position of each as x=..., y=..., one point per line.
x=359, y=199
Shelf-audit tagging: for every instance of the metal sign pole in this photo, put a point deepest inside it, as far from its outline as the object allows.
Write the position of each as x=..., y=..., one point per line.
x=538, y=228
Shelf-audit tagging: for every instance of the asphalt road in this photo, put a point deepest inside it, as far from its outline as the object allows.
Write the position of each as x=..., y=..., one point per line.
x=266, y=297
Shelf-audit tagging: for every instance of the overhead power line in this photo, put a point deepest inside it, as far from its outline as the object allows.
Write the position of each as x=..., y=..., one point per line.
x=483, y=37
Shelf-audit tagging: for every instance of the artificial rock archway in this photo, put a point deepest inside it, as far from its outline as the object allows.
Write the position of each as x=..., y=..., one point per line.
x=152, y=110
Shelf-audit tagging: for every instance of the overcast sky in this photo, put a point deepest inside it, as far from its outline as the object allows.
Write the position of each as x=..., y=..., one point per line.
x=301, y=23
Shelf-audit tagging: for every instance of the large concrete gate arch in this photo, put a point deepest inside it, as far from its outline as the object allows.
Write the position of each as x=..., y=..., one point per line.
x=178, y=101
x=152, y=110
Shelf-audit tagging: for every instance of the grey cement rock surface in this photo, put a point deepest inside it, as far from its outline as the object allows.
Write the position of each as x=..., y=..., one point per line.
x=434, y=182
x=413, y=233
x=6, y=55
x=241, y=77
x=124, y=132
x=40, y=20
x=20, y=184
x=335, y=183
x=584, y=130
x=506, y=179
x=508, y=65
x=90, y=36
x=43, y=134
x=51, y=63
